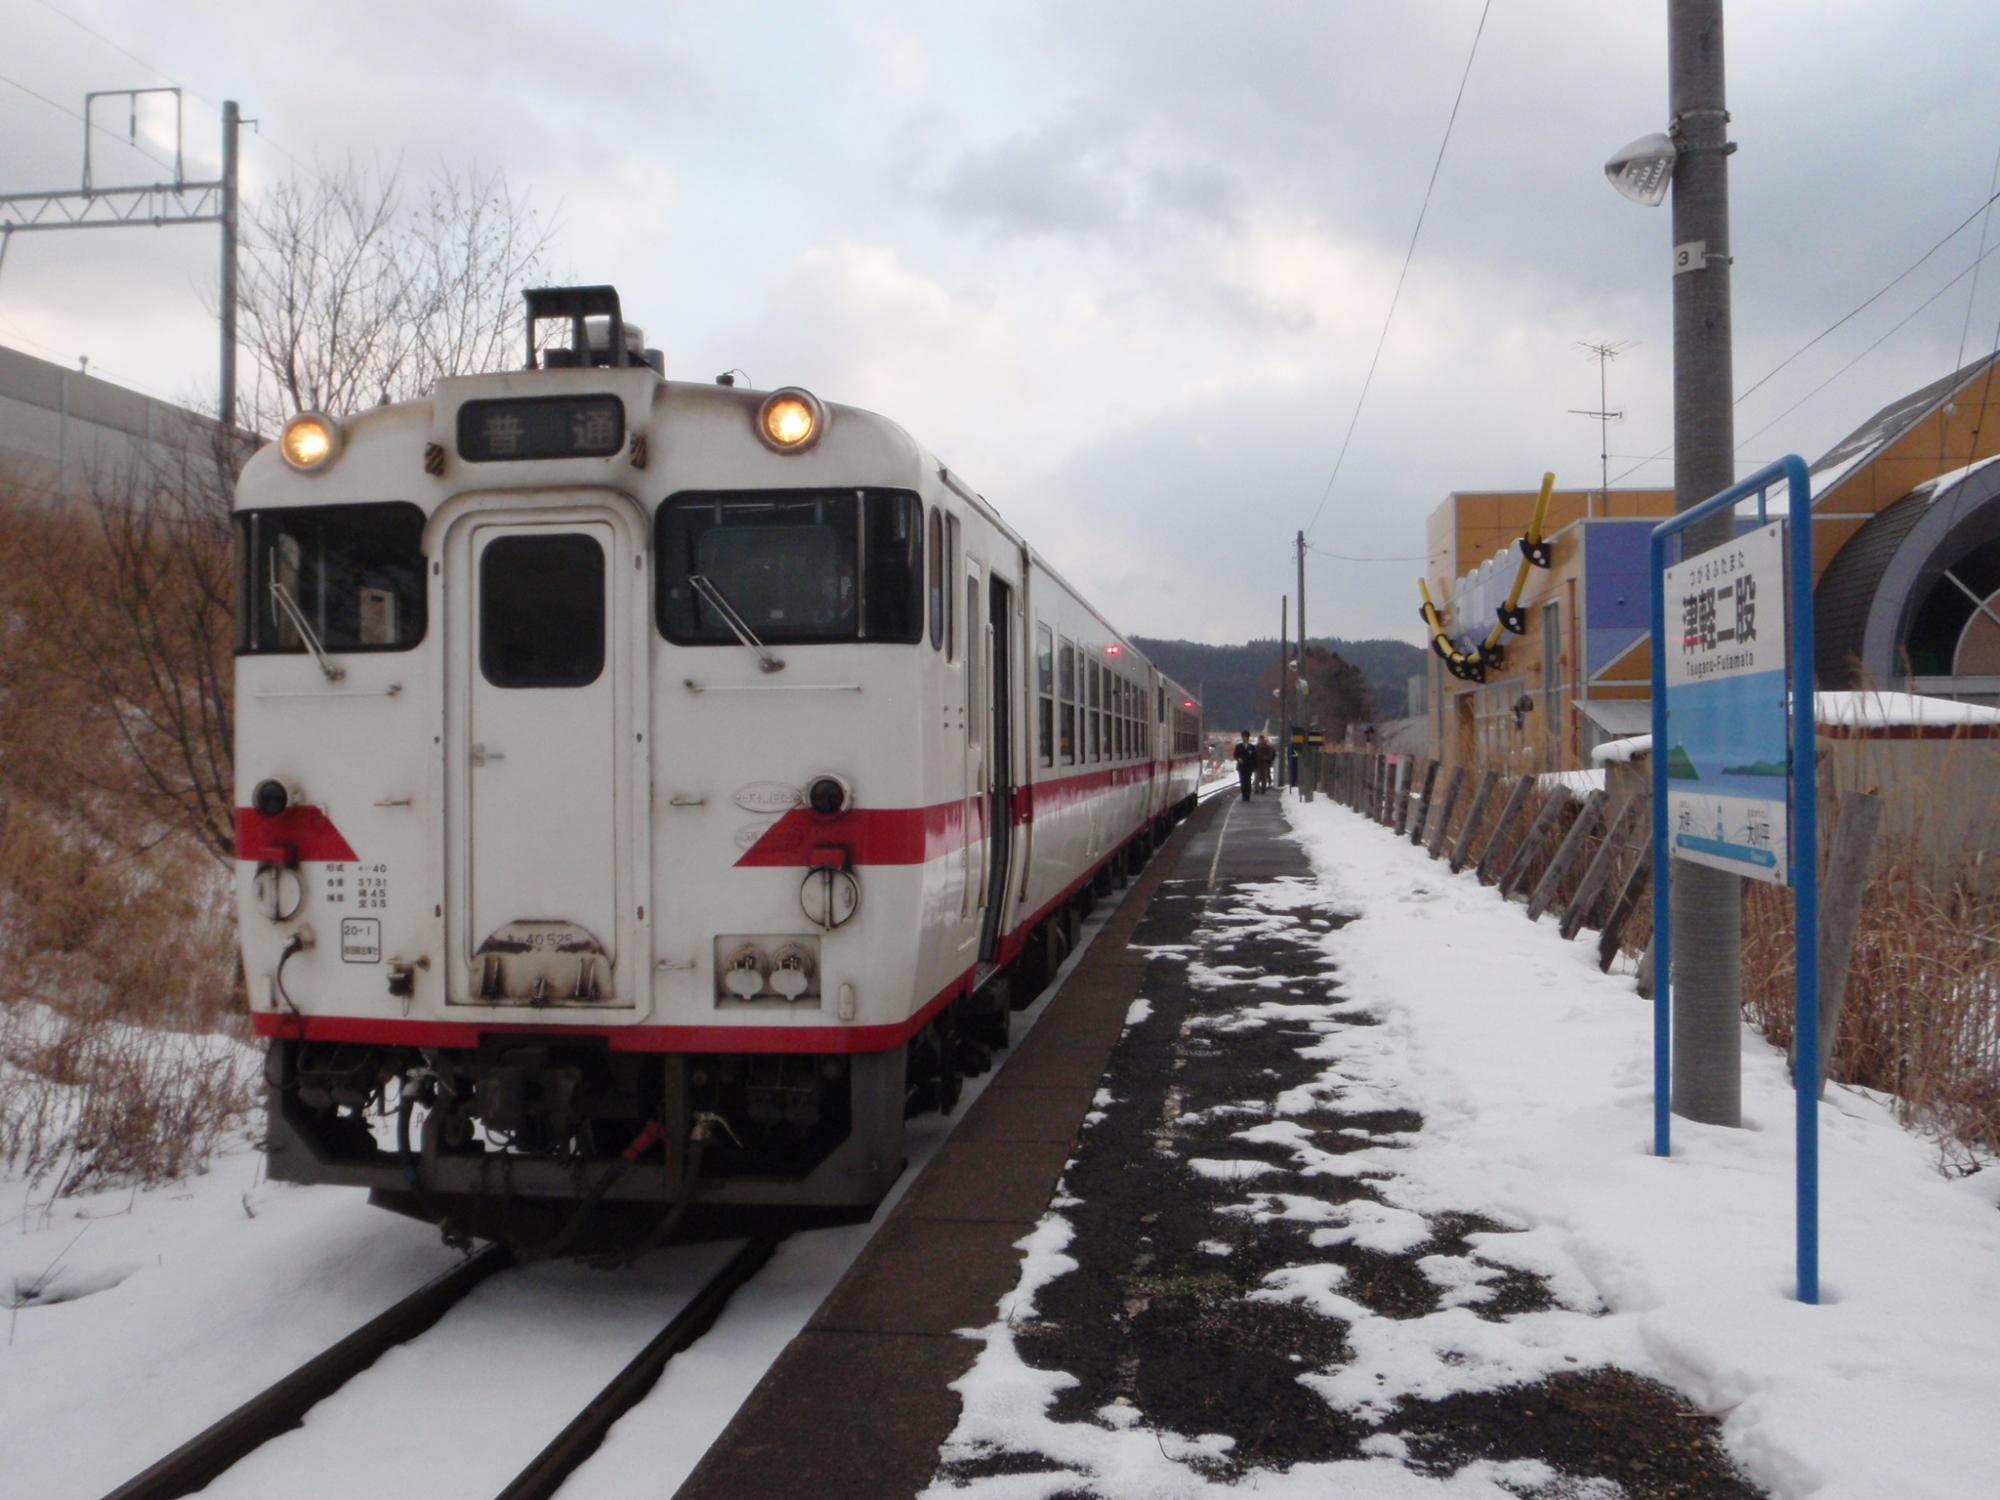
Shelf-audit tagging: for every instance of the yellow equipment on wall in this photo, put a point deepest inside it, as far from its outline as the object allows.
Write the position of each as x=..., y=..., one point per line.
x=1470, y=665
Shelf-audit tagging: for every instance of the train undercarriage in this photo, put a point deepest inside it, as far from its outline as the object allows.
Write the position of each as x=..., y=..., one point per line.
x=556, y=1144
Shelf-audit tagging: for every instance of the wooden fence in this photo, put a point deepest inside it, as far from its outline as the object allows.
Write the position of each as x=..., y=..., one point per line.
x=1583, y=861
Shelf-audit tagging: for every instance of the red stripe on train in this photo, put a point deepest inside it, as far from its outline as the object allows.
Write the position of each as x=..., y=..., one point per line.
x=305, y=833
x=918, y=835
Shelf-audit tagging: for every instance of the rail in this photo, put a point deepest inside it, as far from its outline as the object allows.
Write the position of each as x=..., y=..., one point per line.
x=282, y=1406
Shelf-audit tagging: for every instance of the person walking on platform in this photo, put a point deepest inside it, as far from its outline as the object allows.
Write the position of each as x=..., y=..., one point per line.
x=1246, y=763
x=1267, y=757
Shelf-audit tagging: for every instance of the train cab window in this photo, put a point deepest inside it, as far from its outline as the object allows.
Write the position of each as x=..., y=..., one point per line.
x=353, y=573
x=1066, y=666
x=795, y=565
x=936, y=580
x=541, y=610
x=1045, y=684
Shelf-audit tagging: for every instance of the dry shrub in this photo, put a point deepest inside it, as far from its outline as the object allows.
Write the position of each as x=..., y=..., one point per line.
x=94, y=1102
x=117, y=948
x=1921, y=1020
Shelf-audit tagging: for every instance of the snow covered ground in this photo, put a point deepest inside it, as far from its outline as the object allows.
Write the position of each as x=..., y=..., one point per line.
x=1532, y=1074
x=134, y=1319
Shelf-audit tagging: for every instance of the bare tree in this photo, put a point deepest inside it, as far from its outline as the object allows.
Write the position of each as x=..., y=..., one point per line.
x=1336, y=692
x=349, y=296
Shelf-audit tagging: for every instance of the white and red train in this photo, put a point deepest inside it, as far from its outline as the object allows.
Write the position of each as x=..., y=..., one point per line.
x=654, y=791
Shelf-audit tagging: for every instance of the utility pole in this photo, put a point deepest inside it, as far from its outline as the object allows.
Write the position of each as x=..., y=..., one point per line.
x=1306, y=716
x=1605, y=353
x=157, y=204
x=1707, y=958
x=1284, y=686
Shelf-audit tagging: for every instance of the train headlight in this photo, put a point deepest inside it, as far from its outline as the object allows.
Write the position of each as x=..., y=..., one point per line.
x=791, y=420
x=309, y=441
x=828, y=795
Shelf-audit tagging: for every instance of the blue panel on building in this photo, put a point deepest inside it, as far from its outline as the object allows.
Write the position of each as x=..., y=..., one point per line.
x=1616, y=578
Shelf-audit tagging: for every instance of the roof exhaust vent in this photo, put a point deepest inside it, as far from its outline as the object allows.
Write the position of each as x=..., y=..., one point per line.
x=598, y=332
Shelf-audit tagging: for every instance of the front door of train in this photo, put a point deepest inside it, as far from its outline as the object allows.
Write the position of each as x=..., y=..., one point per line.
x=539, y=758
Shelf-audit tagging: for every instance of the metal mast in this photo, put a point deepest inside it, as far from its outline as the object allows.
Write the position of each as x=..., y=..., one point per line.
x=1605, y=353
x=156, y=204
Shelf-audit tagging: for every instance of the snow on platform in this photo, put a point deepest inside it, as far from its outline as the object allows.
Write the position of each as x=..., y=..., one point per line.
x=1534, y=1073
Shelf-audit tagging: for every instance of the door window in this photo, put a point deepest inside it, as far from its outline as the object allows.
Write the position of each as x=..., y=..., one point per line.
x=541, y=611
x=1045, y=678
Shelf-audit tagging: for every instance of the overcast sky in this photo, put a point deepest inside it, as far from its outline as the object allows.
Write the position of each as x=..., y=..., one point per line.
x=1122, y=264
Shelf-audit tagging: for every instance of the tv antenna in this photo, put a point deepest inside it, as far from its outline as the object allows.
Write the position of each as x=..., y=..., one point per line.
x=1603, y=353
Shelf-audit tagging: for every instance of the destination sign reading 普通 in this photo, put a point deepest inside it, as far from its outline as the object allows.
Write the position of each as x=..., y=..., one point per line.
x=541, y=427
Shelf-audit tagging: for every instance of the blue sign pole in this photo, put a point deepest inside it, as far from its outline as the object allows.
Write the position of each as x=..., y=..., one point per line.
x=1803, y=841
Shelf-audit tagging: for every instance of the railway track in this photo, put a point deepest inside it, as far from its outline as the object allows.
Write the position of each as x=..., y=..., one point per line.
x=282, y=1406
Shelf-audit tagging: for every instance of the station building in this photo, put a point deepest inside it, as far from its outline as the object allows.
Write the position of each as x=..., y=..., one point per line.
x=1906, y=558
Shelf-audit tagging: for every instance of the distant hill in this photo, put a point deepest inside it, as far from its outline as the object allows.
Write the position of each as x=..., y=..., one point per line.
x=1227, y=676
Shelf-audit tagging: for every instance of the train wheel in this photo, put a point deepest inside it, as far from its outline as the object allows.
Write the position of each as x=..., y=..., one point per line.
x=990, y=1021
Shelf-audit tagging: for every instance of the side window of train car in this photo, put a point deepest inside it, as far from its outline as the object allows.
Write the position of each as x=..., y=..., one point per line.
x=1066, y=665
x=1045, y=683
x=936, y=579
x=353, y=573
x=1092, y=704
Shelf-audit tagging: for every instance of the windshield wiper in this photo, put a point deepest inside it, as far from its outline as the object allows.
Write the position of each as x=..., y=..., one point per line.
x=298, y=618
x=765, y=660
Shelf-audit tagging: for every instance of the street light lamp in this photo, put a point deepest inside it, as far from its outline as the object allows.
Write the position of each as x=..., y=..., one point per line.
x=1644, y=169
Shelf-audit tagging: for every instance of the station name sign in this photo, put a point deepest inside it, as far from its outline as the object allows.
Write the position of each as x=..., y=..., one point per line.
x=525, y=427
x=1728, y=751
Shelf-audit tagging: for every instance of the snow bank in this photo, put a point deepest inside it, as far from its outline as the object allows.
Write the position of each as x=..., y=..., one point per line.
x=1622, y=752
x=1533, y=1073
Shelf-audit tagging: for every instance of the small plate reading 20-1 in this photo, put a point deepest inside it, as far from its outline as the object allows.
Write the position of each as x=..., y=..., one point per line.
x=540, y=427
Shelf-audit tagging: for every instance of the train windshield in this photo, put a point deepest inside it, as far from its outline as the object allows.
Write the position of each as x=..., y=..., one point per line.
x=795, y=565
x=353, y=574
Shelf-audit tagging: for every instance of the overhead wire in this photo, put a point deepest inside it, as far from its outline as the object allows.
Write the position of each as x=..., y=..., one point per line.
x=161, y=73
x=74, y=115
x=1845, y=318
x=1408, y=255
x=1897, y=328
x=1344, y=557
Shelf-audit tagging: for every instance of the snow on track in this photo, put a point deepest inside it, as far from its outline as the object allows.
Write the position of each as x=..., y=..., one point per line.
x=183, y=1302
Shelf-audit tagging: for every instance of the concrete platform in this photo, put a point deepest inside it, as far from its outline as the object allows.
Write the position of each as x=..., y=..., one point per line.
x=859, y=1403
